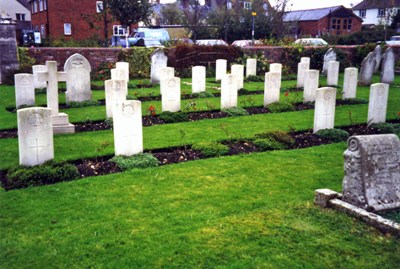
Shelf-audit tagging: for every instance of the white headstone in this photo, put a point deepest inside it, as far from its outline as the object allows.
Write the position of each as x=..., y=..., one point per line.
x=165, y=74
x=78, y=71
x=171, y=98
x=198, y=79
x=388, y=61
x=350, y=83
x=237, y=70
x=275, y=67
x=330, y=55
x=123, y=66
x=220, y=69
x=24, y=90
x=158, y=60
x=378, y=98
x=251, y=67
x=305, y=60
x=311, y=83
x=333, y=73
x=127, y=127
x=271, y=88
x=38, y=84
x=301, y=69
x=115, y=94
x=367, y=70
x=324, y=114
x=35, y=136
x=228, y=92
x=378, y=57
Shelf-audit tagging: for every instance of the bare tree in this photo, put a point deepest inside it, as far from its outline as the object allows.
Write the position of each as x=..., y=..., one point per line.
x=278, y=10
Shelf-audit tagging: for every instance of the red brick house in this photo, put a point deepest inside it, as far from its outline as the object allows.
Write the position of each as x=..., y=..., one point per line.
x=336, y=20
x=69, y=19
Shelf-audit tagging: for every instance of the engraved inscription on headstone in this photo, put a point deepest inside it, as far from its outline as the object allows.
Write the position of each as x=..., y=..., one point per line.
x=115, y=94
x=271, y=88
x=198, y=79
x=311, y=82
x=171, y=97
x=350, y=83
x=228, y=92
x=324, y=113
x=78, y=71
x=378, y=99
x=24, y=90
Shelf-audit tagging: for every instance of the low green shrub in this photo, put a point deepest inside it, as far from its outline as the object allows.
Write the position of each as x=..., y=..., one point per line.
x=264, y=144
x=356, y=101
x=202, y=95
x=235, y=111
x=211, y=149
x=280, y=107
x=335, y=135
x=109, y=122
x=254, y=79
x=48, y=173
x=141, y=160
x=173, y=117
x=279, y=136
x=83, y=104
x=386, y=127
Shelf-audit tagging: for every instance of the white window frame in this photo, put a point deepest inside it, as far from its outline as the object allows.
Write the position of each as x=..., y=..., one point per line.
x=45, y=4
x=119, y=30
x=40, y=5
x=363, y=13
x=247, y=5
x=67, y=29
x=99, y=6
x=381, y=12
x=35, y=6
x=20, y=16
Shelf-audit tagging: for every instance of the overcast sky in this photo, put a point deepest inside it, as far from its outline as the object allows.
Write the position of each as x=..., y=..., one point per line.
x=310, y=4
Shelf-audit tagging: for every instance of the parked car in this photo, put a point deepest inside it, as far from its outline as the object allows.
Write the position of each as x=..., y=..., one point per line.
x=159, y=34
x=184, y=40
x=246, y=43
x=148, y=43
x=211, y=42
x=311, y=42
x=394, y=40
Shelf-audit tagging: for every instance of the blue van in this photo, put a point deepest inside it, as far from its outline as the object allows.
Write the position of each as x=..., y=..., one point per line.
x=159, y=34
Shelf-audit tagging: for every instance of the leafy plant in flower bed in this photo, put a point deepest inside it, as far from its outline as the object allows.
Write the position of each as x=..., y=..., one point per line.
x=254, y=79
x=173, y=117
x=48, y=173
x=211, y=149
x=278, y=107
x=387, y=128
x=235, y=111
x=356, y=101
x=279, y=136
x=83, y=104
x=335, y=135
x=264, y=144
x=141, y=160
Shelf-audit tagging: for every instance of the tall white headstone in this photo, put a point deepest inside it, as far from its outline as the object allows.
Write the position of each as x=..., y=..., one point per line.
x=171, y=98
x=324, y=113
x=24, y=90
x=251, y=67
x=127, y=127
x=123, y=66
x=378, y=98
x=388, y=62
x=330, y=55
x=333, y=73
x=38, y=84
x=220, y=69
x=158, y=60
x=301, y=69
x=228, y=92
x=115, y=94
x=271, y=88
x=350, y=83
x=165, y=74
x=78, y=71
x=367, y=70
x=237, y=70
x=198, y=79
x=35, y=136
x=311, y=83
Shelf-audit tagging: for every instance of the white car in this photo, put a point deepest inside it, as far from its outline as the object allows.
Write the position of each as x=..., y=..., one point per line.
x=394, y=40
x=211, y=42
x=246, y=43
x=311, y=42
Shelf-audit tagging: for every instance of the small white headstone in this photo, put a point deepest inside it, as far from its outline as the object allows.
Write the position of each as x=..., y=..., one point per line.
x=271, y=88
x=333, y=73
x=251, y=67
x=123, y=66
x=228, y=92
x=127, y=127
x=78, y=71
x=165, y=74
x=388, y=61
x=330, y=55
x=324, y=114
x=367, y=70
x=171, y=98
x=301, y=69
x=275, y=67
x=24, y=90
x=311, y=83
x=350, y=83
x=38, y=84
x=115, y=94
x=198, y=79
x=220, y=69
x=35, y=136
x=305, y=60
x=378, y=98
x=158, y=60
x=237, y=70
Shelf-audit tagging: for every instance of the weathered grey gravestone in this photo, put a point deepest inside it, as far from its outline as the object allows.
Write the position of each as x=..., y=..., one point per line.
x=237, y=70
x=377, y=106
x=35, y=136
x=127, y=126
x=24, y=90
x=228, y=92
x=372, y=172
x=311, y=82
x=378, y=57
x=350, y=83
x=324, y=113
x=78, y=71
x=8, y=49
x=171, y=98
x=330, y=55
x=251, y=67
x=37, y=83
x=220, y=69
x=115, y=94
x=271, y=88
x=198, y=79
x=158, y=60
x=367, y=70
x=387, y=74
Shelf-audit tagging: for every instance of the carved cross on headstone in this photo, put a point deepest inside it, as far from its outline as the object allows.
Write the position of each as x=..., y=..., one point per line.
x=37, y=147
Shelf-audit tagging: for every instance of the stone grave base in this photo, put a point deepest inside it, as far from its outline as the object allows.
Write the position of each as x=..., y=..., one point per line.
x=61, y=124
x=326, y=198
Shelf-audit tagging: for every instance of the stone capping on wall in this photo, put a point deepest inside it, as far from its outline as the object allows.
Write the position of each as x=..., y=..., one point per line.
x=327, y=198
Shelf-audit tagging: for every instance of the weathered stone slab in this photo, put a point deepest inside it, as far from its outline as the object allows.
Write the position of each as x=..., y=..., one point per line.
x=171, y=98
x=35, y=136
x=372, y=172
x=8, y=48
x=78, y=71
x=330, y=55
x=333, y=73
x=350, y=83
x=228, y=92
x=251, y=67
x=237, y=70
x=220, y=69
x=159, y=60
x=388, y=62
x=38, y=84
x=367, y=70
x=324, y=113
x=311, y=83
x=271, y=88
x=301, y=69
x=115, y=94
x=127, y=127
x=24, y=90
x=377, y=57
x=198, y=79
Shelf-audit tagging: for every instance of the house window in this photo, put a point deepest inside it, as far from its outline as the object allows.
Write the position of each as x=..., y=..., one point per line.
x=99, y=6
x=45, y=4
x=247, y=5
x=335, y=24
x=35, y=7
x=40, y=5
x=381, y=12
x=363, y=13
x=347, y=24
x=20, y=17
x=67, y=29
